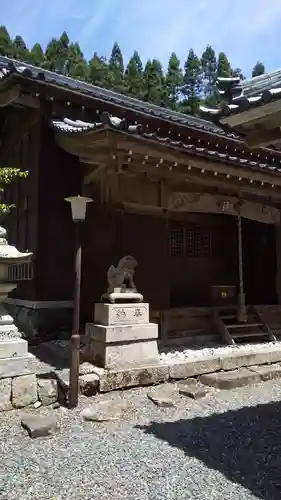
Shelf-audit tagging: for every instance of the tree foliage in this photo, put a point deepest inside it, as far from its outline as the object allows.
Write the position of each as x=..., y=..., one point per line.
x=258, y=69
x=176, y=89
x=7, y=175
x=173, y=88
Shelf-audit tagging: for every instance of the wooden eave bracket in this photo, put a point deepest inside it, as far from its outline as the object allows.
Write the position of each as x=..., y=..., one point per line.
x=263, y=138
x=9, y=95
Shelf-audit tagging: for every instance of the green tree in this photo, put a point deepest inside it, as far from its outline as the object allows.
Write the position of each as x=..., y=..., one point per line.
x=56, y=55
x=116, y=69
x=224, y=66
x=6, y=46
x=258, y=69
x=76, y=65
x=209, y=71
x=238, y=72
x=20, y=51
x=52, y=55
x=98, y=71
x=36, y=55
x=154, y=90
x=173, y=81
x=134, y=78
x=8, y=175
x=192, y=86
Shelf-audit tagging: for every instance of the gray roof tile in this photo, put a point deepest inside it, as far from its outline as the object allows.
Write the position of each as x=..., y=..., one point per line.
x=105, y=120
x=12, y=67
x=244, y=95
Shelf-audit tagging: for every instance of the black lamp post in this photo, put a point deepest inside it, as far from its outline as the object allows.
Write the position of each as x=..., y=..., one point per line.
x=78, y=210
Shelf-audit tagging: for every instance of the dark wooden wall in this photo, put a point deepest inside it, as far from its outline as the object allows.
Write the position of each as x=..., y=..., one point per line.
x=165, y=280
x=41, y=221
x=42, y=224
x=60, y=175
x=20, y=150
x=260, y=262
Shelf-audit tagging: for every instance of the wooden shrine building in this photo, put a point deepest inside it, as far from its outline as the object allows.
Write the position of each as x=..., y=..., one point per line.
x=194, y=204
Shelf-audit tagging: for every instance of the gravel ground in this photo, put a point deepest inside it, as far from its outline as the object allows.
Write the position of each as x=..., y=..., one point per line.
x=198, y=352
x=227, y=445
x=61, y=348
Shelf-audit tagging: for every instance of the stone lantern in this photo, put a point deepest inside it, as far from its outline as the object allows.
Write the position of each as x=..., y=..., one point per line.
x=14, y=356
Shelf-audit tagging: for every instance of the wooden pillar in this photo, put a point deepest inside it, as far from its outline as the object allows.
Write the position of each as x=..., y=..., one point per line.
x=242, y=312
x=278, y=260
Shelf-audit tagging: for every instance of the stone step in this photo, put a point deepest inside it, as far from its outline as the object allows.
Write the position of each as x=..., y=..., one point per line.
x=230, y=379
x=13, y=348
x=241, y=377
x=19, y=365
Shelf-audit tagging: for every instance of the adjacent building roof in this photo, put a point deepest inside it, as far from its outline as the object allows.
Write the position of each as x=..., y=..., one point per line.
x=242, y=95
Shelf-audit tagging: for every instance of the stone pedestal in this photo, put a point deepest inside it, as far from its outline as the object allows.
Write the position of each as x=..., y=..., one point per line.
x=122, y=336
x=14, y=357
x=15, y=360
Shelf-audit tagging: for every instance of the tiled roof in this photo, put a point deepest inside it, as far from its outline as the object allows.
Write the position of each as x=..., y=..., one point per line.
x=244, y=95
x=68, y=126
x=11, y=68
x=78, y=126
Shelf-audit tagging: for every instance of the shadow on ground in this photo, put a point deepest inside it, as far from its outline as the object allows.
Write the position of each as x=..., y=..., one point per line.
x=56, y=360
x=244, y=445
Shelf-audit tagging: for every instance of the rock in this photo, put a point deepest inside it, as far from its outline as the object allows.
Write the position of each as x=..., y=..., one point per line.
x=104, y=411
x=194, y=391
x=89, y=384
x=267, y=372
x=162, y=396
x=47, y=390
x=261, y=357
x=16, y=366
x=230, y=379
x=110, y=380
x=24, y=390
x=5, y=394
x=37, y=404
x=38, y=426
x=86, y=368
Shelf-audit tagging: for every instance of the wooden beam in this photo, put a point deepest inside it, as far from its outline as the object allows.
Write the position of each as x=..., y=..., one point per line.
x=24, y=126
x=263, y=138
x=252, y=115
x=185, y=159
x=92, y=176
x=203, y=180
x=8, y=96
x=28, y=101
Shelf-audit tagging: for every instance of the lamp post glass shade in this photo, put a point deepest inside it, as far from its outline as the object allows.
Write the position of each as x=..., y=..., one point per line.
x=78, y=206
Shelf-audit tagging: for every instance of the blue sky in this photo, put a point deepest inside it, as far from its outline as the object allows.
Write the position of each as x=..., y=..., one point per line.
x=247, y=30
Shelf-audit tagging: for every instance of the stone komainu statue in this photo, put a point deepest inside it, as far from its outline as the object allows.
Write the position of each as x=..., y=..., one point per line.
x=121, y=278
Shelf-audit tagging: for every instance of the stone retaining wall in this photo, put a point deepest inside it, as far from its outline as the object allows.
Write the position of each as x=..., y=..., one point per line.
x=26, y=390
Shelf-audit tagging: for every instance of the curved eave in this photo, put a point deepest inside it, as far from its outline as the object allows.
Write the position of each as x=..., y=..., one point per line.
x=85, y=140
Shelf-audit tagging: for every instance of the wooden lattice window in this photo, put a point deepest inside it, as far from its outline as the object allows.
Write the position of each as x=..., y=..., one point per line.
x=177, y=242
x=190, y=242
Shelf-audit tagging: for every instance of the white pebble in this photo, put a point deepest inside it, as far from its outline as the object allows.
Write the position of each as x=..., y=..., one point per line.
x=197, y=353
